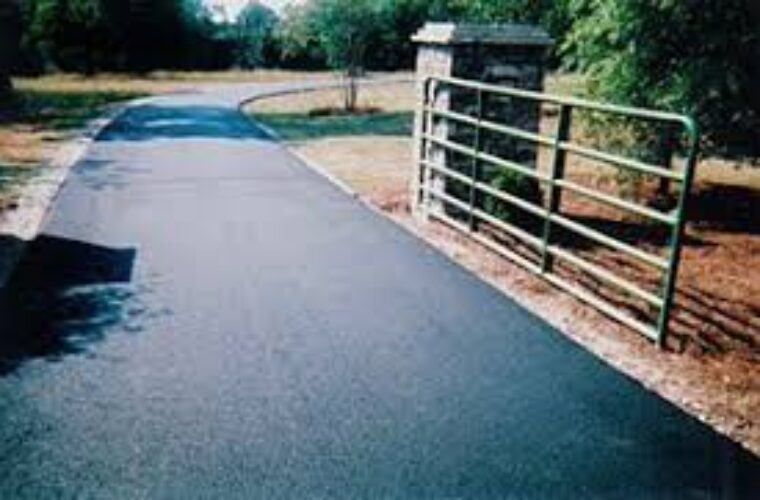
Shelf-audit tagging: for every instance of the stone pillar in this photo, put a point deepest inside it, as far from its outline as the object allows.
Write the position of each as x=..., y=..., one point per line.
x=507, y=54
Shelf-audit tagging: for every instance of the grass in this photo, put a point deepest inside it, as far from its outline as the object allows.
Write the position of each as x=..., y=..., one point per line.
x=384, y=110
x=391, y=97
x=300, y=127
x=370, y=152
x=35, y=121
x=54, y=110
x=11, y=177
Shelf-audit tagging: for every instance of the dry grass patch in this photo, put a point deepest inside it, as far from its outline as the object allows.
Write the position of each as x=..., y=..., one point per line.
x=394, y=97
x=376, y=167
x=159, y=82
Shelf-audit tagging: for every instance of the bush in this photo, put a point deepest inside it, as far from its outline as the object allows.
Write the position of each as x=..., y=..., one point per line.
x=521, y=186
x=691, y=56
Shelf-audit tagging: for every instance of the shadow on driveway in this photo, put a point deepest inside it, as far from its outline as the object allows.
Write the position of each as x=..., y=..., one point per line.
x=63, y=296
x=149, y=122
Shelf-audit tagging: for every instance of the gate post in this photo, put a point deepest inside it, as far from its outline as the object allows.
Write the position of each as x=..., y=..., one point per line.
x=506, y=54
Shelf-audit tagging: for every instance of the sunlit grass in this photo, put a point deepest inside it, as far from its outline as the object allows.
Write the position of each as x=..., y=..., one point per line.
x=299, y=127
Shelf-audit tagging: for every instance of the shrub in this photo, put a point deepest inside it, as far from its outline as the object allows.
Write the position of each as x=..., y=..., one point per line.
x=521, y=186
x=692, y=56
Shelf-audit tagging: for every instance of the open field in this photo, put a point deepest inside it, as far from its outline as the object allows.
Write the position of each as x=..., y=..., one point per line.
x=159, y=82
x=713, y=368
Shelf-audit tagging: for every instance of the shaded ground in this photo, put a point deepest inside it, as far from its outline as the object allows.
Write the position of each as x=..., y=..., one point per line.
x=714, y=368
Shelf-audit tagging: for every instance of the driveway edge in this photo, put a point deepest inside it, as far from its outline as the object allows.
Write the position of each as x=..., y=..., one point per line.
x=22, y=225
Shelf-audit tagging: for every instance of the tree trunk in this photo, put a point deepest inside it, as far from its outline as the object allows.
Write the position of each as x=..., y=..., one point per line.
x=351, y=89
x=10, y=34
x=6, y=86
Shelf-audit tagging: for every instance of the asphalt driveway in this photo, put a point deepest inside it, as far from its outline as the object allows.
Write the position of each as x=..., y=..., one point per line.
x=206, y=317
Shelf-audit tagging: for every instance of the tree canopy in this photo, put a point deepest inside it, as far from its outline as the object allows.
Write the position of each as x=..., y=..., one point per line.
x=693, y=56
x=10, y=33
x=254, y=34
x=115, y=35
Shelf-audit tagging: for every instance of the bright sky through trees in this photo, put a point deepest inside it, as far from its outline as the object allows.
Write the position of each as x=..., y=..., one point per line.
x=233, y=7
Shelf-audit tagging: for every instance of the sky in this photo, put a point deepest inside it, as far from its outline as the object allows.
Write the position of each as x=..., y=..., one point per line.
x=233, y=7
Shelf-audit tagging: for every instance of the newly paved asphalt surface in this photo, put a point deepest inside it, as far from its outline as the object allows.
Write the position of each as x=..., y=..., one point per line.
x=205, y=317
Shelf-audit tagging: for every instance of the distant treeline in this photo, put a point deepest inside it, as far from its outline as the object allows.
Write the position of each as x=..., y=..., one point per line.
x=694, y=56
x=140, y=35
x=90, y=36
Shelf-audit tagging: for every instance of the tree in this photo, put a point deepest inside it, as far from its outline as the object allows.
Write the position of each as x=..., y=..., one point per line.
x=87, y=30
x=74, y=35
x=255, y=27
x=135, y=35
x=10, y=35
x=345, y=28
x=298, y=39
x=391, y=47
x=693, y=56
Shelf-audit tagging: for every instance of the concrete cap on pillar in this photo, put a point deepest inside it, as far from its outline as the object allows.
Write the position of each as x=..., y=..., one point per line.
x=488, y=34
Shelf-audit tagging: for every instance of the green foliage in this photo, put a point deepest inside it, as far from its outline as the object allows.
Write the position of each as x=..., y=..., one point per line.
x=318, y=33
x=498, y=10
x=298, y=39
x=390, y=46
x=62, y=110
x=140, y=35
x=344, y=28
x=693, y=56
x=255, y=28
x=314, y=30
x=116, y=35
x=553, y=15
x=520, y=186
x=10, y=32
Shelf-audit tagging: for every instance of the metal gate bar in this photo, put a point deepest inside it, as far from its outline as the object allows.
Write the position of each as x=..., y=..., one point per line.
x=555, y=183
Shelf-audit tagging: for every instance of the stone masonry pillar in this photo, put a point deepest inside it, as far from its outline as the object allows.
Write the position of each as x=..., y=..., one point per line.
x=501, y=54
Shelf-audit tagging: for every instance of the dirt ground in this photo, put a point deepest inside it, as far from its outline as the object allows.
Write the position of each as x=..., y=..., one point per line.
x=712, y=365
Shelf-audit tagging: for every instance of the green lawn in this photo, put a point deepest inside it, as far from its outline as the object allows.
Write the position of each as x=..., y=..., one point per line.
x=53, y=110
x=304, y=126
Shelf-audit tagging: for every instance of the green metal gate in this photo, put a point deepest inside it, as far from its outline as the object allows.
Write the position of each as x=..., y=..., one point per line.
x=468, y=213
